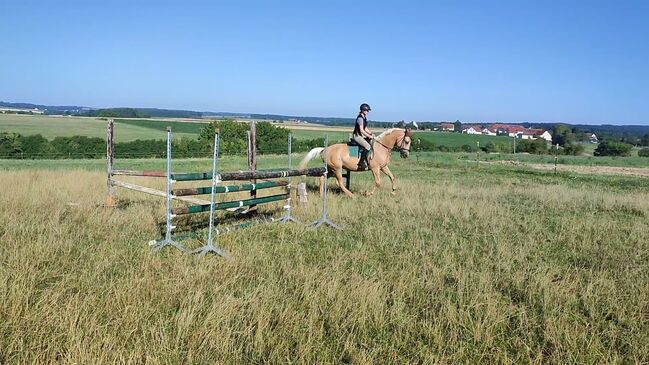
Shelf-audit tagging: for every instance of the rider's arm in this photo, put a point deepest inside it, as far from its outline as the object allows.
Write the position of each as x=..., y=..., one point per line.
x=367, y=133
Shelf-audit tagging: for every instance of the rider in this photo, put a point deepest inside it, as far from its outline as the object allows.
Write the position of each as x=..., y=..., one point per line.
x=362, y=135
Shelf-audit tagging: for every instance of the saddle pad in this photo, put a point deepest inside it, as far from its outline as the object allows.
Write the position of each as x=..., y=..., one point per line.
x=353, y=151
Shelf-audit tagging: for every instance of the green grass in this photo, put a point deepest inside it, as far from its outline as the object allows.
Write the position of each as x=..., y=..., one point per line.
x=487, y=264
x=441, y=159
x=466, y=264
x=182, y=128
x=54, y=126
x=458, y=139
x=444, y=158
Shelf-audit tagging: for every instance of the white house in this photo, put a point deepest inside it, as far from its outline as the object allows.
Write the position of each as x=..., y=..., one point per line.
x=472, y=129
x=534, y=134
x=447, y=127
x=593, y=138
x=488, y=132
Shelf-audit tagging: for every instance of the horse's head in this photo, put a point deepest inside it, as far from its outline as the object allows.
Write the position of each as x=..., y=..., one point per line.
x=404, y=143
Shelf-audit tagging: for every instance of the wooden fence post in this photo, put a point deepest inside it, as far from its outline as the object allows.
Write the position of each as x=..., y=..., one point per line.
x=110, y=156
x=252, y=158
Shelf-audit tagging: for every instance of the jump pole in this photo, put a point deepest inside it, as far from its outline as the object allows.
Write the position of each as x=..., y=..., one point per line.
x=157, y=245
x=287, y=216
x=209, y=246
x=324, y=220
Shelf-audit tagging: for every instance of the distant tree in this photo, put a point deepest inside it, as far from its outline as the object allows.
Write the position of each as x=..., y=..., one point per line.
x=457, y=126
x=613, y=148
x=233, y=136
x=644, y=152
x=10, y=145
x=400, y=124
x=562, y=134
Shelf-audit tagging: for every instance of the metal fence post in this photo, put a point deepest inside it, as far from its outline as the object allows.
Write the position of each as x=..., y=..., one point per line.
x=168, y=240
x=323, y=218
x=209, y=246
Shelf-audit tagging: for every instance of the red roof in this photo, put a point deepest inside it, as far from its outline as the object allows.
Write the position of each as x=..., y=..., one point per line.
x=446, y=125
x=509, y=128
x=534, y=132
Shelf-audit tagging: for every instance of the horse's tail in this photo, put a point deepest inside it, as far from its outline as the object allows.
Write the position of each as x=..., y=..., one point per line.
x=310, y=156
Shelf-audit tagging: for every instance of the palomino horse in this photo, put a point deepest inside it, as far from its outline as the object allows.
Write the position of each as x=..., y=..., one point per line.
x=338, y=158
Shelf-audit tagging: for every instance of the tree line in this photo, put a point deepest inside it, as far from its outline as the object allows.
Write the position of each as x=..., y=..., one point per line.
x=270, y=140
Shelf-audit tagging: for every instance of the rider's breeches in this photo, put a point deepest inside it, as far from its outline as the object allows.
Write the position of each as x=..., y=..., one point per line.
x=362, y=142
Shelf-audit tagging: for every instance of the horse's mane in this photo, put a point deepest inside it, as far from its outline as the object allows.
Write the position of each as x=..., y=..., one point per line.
x=382, y=135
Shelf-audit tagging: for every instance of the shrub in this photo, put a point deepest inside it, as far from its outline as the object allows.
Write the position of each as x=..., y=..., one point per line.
x=613, y=148
x=574, y=149
x=644, y=152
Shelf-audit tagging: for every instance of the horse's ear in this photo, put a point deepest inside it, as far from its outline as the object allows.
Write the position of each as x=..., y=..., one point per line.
x=409, y=132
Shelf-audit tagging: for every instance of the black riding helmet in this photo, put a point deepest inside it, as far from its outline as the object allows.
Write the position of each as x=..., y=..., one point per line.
x=365, y=107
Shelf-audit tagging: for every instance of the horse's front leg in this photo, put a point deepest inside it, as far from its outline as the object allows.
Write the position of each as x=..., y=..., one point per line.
x=341, y=183
x=386, y=170
x=376, y=172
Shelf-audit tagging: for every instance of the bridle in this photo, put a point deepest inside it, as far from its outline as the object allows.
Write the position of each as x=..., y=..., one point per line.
x=398, y=145
x=403, y=142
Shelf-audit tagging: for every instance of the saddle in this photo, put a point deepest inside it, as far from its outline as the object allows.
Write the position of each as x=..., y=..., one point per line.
x=359, y=151
x=353, y=143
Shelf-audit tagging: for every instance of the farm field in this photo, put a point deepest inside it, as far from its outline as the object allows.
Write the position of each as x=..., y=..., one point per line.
x=132, y=129
x=55, y=126
x=492, y=263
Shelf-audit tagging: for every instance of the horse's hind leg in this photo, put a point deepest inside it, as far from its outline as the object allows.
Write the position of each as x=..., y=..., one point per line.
x=386, y=170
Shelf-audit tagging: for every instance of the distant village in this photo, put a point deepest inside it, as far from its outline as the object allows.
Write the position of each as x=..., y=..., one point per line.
x=510, y=130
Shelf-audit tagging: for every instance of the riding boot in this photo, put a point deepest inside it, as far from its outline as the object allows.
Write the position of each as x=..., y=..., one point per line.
x=362, y=162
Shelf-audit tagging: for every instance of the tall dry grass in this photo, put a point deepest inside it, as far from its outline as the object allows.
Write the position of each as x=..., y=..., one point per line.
x=486, y=266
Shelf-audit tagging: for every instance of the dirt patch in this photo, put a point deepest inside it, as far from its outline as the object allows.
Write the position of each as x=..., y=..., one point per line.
x=610, y=170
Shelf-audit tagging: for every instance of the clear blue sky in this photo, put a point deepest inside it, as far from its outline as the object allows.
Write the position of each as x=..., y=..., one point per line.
x=571, y=61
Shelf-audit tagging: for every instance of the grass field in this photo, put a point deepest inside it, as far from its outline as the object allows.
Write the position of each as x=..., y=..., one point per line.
x=131, y=129
x=466, y=264
x=55, y=126
x=459, y=139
